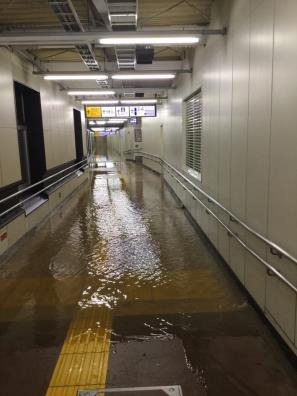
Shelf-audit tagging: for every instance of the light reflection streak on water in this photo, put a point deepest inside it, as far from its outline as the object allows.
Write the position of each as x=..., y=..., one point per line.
x=124, y=255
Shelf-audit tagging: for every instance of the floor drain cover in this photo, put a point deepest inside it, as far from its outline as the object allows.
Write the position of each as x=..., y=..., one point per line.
x=172, y=390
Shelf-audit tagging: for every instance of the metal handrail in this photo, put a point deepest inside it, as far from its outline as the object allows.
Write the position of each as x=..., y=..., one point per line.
x=20, y=203
x=230, y=232
x=39, y=182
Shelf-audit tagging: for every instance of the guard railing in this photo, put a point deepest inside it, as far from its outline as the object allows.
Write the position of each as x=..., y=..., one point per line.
x=275, y=249
x=77, y=165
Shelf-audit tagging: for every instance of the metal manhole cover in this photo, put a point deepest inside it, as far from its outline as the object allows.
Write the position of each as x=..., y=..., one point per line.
x=172, y=390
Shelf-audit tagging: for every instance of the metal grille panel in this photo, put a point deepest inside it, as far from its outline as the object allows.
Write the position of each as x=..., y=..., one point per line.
x=193, y=113
x=70, y=21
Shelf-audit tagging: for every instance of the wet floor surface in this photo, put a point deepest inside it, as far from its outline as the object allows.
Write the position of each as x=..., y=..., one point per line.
x=117, y=289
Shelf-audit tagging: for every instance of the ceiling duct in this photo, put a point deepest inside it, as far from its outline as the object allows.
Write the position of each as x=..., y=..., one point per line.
x=70, y=21
x=123, y=16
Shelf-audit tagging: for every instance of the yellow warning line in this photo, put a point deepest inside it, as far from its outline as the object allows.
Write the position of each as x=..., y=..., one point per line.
x=83, y=360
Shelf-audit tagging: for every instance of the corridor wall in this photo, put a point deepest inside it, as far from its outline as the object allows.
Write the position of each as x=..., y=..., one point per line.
x=249, y=143
x=59, y=139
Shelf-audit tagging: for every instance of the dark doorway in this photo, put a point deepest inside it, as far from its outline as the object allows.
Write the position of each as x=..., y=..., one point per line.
x=78, y=135
x=30, y=133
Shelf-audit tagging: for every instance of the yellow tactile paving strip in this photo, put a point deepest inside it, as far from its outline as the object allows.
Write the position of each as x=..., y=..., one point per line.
x=83, y=361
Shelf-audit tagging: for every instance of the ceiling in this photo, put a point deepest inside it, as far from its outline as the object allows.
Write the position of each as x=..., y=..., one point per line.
x=27, y=16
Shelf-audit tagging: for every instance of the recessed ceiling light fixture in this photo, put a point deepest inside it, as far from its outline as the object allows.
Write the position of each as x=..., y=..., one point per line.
x=139, y=101
x=90, y=76
x=100, y=122
x=149, y=40
x=99, y=102
x=90, y=93
x=127, y=14
x=147, y=76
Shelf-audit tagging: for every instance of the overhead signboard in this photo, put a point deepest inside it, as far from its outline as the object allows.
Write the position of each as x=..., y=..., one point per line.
x=108, y=111
x=93, y=112
x=142, y=111
x=120, y=111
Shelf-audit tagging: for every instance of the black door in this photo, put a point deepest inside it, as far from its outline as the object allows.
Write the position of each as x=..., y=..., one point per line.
x=30, y=133
x=78, y=135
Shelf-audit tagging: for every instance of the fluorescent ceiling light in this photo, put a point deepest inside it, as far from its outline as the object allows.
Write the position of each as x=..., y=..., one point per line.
x=76, y=76
x=123, y=15
x=98, y=129
x=90, y=93
x=100, y=101
x=92, y=122
x=148, y=40
x=135, y=76
x=140, y=101
x=127, y=63
x=100, y=122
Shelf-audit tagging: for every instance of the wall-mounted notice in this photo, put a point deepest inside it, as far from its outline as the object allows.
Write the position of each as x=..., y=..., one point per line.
x=108, y=112
x=93, y=112
x=138, y=135
x=122, y=111
x=142, y=111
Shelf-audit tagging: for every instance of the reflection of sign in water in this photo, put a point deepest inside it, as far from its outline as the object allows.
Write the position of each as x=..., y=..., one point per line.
x=108, y=112
x=93, y=112
x=122, y=111
x=138, y=135
x=142, y=111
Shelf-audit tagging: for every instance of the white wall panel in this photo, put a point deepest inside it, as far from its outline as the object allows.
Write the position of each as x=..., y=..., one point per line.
x=9, y=156
x=225, y=118
x=57, y=114
x=283, y=160
x=240, y=107
x=152, y=139
x=7, y=109
x=260, y=90
x=10, y=171
x=280, y=299
x=255, y=272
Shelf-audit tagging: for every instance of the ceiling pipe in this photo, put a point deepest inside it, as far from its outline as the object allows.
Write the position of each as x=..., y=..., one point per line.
x=152, y=90
x=110, y=73
x=77, y=38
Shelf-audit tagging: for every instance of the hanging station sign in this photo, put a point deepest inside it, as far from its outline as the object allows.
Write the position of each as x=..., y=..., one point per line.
x=93, y=112
x=123, y=111
x=142, y=111
x=120, y=111
x=108, y=112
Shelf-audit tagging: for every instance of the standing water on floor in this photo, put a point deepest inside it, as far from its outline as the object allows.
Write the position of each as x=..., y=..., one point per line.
x=117, y=289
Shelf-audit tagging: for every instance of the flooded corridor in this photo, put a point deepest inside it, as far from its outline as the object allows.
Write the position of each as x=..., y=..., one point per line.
x=118, y=289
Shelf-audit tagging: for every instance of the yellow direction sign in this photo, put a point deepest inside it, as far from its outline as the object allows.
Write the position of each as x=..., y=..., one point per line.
x=93, y=112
